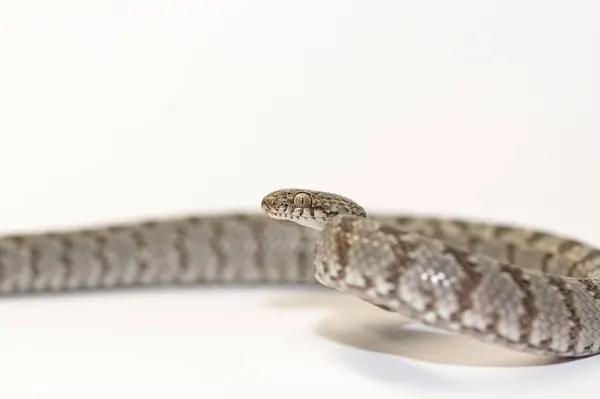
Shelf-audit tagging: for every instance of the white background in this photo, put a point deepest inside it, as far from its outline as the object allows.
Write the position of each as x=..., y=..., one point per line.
x=128, y=109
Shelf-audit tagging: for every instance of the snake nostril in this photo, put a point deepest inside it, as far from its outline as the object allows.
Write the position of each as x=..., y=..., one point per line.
x=264, y=206
x=267, y=203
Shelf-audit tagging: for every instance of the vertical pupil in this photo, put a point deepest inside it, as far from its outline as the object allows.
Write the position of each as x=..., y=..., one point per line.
x=302, y=201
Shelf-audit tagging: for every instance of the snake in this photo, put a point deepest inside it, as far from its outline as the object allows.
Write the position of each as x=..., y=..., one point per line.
x=521, y=288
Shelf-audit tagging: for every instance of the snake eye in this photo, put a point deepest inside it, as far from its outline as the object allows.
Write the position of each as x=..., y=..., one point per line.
x=302, y=200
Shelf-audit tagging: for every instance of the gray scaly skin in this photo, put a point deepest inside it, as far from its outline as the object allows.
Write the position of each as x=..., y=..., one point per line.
x=523, y=289
x=527, y=290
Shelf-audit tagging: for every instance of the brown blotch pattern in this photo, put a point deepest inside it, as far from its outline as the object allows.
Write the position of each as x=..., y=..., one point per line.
x=527, y=301
x=567, y=295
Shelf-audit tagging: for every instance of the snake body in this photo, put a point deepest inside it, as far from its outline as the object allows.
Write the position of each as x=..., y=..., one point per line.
x=524, y=289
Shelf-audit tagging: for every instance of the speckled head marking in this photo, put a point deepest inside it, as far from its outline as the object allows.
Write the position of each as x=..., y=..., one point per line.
x=307, y=207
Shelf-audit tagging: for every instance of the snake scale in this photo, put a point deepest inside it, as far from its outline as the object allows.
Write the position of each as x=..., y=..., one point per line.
x=527, y=290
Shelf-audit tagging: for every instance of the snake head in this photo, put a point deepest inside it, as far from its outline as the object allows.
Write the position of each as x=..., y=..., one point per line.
x=308, y=207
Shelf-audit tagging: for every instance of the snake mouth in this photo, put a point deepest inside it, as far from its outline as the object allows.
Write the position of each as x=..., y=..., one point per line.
x=281, y=212
x=292, y=217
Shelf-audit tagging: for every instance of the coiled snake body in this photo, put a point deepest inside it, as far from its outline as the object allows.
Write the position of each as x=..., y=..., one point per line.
x=527, y=290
